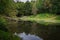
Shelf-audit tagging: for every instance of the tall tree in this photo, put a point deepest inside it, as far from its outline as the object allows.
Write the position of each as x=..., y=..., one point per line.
x=34, y=8
x=20, y=8
x=37, y=6
x=28, y=8
x=7, y=7
x=55, y=6
x=52, y=6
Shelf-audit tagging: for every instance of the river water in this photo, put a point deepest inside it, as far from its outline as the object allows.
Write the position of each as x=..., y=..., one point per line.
x=34, y=31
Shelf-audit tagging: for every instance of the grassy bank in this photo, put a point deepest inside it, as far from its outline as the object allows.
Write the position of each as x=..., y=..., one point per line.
x=42, y=18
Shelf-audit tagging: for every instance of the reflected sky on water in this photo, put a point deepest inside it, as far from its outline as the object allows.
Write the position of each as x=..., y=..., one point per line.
x=24, y=36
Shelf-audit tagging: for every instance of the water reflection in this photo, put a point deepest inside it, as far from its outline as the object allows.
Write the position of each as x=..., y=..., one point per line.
x=24, y=36
x=47, y=32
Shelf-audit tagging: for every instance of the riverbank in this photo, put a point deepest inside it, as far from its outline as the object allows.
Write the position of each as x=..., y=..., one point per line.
x=42, y=18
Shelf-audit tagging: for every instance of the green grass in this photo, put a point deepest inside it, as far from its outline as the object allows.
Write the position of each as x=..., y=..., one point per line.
x=43, y=18
x=58, y=18
x=46, y=15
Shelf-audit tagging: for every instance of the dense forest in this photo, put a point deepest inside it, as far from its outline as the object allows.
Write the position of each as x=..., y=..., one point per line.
x=45, y=13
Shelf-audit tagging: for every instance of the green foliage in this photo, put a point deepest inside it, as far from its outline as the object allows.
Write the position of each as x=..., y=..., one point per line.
x=7, y=7
x=3, y=24
x=39, y=3
x=20, y=8
x=4, y=35
x=7, y=36
x=3, y=4
x=4, y=32
x=11, y=9
x=50, y=6
x=28, y=8
x=24, y=8
x=55, y=6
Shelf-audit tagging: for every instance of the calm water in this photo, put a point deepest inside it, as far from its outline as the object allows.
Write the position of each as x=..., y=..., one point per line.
x=25, y=29
x=25, y=36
